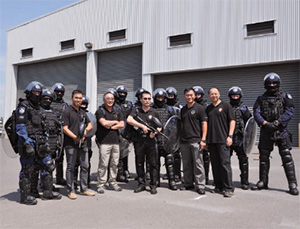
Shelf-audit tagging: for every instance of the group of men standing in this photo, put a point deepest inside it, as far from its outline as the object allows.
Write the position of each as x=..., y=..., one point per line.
x=208, y=133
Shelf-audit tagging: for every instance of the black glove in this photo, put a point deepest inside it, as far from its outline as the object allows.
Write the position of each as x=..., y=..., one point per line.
x=29, y=150
x=270, y=126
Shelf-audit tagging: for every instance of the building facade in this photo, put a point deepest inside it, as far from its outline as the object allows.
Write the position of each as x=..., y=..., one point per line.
x=96, y=44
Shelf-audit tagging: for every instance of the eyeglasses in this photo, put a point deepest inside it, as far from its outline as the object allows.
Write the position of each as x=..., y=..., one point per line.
x=146, y=98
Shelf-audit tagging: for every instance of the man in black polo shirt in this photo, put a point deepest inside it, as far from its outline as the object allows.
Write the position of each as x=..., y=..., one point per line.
x=72, y=116
x=221, y=124
x=109, y=120
x=193, y=140
x=145, y=144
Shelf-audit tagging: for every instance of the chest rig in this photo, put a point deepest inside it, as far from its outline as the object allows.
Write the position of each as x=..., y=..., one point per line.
x=239, y=123
x=272, y=107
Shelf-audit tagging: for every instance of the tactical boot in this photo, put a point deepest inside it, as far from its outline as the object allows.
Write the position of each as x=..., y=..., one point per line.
x=264, y=167
x=48, y=194
x=244, y=167
x=293, y=189
x=260, y=185
x=26, y=198
x=172, y=185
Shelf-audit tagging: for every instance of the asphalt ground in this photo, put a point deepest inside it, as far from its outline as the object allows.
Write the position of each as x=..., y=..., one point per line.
x=272, y=208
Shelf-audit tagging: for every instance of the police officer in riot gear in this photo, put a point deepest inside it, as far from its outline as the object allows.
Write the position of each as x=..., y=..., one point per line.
x=52, y=128
x=164, y=113
x=272, y=111
x=28, y=130
x=58, y=106
x=126, y=108
x=172, y=100
x=199, y=93
x=242, y=114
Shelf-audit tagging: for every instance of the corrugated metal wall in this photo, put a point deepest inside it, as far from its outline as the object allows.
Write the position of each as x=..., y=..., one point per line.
x=119, y=67
x=250, y=79
x=69, y=71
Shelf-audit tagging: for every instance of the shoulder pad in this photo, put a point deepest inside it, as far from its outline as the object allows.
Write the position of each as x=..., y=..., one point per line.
x=288, y=100
x=243, y=108
x=21, y=110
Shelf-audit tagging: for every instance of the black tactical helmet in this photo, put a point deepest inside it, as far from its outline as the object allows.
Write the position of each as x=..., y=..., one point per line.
x=235, y=91
x=34, y=86
x=121, y=89
x=272, y=77
x=85, y=100
x=198, y=90
x=49, y=93
x=58, y=87
x=139, y=92
x=112, y=91
x=171, y=91
x=159, y=92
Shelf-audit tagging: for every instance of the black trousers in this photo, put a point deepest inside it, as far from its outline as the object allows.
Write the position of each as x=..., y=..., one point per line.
x=221, y=166
x=146, y=146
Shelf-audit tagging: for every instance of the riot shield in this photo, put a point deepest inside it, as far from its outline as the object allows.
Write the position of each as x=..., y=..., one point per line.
x=60, y=143
x=93, y=120
x=249, y=135
x=6, y=147
x=172, y=131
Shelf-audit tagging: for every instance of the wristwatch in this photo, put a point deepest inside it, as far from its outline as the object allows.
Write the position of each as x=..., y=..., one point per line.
x=230, y=136
x=203, y=140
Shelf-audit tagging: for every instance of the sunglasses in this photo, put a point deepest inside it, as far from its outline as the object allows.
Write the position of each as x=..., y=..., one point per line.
x=146, y=98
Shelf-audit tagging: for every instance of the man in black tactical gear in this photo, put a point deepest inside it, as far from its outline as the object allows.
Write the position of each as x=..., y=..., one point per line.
x=52, y=129
x=272, y=111
x=199, y=93
x=28, y=129
x=242, y=114
x=164, y=113
x=145, y=146
x=126, y=108
x=58, y=106
x=172, y=100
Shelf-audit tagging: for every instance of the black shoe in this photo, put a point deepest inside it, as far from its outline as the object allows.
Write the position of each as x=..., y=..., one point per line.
x=139, y=189
x=55, y=189
x=29, y=200
x=153, y=191
x=259, y=186
x=61, y=181
x=172, y=185
x=147, y=176
x=49, y=195
x=183, y=188
x=244, y=186
x=217, y=190
x=228, y=194
x=293, y=189
x=200, y=191
x=35, y=193
x=177, y=178
x=122, y=179
x=165, y=177
x=127, y=174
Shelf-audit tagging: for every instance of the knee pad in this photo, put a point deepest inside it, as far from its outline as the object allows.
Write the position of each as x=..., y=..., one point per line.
x=169, y=159
x=286, y=156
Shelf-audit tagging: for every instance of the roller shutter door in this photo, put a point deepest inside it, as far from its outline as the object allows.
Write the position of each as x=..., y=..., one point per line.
x=120, y=67
x=250, y=79
x=69, y=71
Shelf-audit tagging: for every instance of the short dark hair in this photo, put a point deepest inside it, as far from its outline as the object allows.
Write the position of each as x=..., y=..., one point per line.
x=213, y=88
x=188, y=89
x=77, y=91
x=145, y=92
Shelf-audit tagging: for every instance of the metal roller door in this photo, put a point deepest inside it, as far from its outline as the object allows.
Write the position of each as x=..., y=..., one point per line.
x=69, y=71
x=119, y=67
x=250, y=79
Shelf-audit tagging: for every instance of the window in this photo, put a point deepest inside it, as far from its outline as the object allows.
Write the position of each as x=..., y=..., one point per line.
x=117, y=35
x=27, y=52
x=179, y=40
x=260, y=28
x=69, y=44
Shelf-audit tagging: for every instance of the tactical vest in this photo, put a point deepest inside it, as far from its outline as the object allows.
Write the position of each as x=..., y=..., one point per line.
x=164, y=114
x=126, y=108
x=272, y=107
x=58, y=108
x=239, y=123
x=52, y=127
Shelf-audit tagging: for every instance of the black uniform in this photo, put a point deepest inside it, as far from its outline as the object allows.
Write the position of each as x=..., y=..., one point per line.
x=145, y=146
x=275, y=107
x=242, y=114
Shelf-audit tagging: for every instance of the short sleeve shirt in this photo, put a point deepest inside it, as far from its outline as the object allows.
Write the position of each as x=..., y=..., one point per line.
x=104, y=135
x=192, y=118
x=72, y=118
x=219, y=118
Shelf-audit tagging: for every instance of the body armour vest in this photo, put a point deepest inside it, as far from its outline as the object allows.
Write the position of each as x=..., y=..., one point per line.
x=126, y=108
x=163, y=115
x=272, y=107
x=52, y=127
x=58, y=108
x=239, y=123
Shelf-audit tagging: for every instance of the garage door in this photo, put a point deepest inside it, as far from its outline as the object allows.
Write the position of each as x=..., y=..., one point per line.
x=250, y=79
x=120, y=67
x=69, y=71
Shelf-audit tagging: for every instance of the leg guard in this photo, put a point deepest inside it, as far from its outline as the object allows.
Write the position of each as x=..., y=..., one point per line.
x=244, y=167
x=25, y=185
x=34, y=182
x=120, y=175
x=176, y=166
x=169, y=167
x=289, y=168
x=48, y=194
x=264, y=167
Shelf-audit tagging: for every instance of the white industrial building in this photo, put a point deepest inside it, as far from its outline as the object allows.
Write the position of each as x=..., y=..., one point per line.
x=96, y=44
